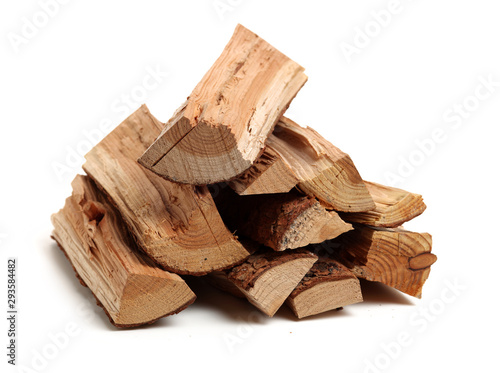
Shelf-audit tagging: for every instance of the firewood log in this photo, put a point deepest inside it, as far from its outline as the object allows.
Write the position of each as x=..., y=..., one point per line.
x=328, y=285
x=393, y=207
x=177, y=225
x=268, y=278
x=127, y=284
x=393, y=256
x=222, y=129
x=279, y=221
x=322, y=170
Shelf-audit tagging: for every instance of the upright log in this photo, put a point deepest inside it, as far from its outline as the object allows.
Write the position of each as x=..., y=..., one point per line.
x=178, y=226
x=130, y=288
x=222, y=129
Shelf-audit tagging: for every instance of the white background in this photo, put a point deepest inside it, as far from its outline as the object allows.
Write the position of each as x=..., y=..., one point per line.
x=69, y=76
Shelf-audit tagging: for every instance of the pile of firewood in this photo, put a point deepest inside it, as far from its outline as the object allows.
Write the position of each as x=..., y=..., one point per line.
x=231, y=190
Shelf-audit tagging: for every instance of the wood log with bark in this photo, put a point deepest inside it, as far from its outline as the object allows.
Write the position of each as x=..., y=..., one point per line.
x=327, y=286
x=177, y=225
x=222, y=129
x=268, y=278
x=155, y=201
x=127, y=284
x=393, y=256
x=279, y=221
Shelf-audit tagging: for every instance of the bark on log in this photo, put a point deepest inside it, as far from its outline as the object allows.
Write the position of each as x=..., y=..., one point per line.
x=222, y=129
x=268, y=278
x=392, y=256
x=177, y=225
x=127, y=284
x=279, y=221
x=393, y=207
x=328, y=285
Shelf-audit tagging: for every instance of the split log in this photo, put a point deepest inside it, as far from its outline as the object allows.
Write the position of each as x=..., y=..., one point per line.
x=268, y=175
x=279, y=221
x=130, y=288
x=221, y=130
x=328, y=285
x=176, y=225
x=393, y=207
x=268, y=278
x=392, y=256
x=322, y=170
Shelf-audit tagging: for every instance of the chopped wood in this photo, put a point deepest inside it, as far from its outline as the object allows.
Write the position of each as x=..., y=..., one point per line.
x=178, y=226
x=393, y=207
x=393, y=256
x=328, y=285
x=269, y=174
x=279, y=221
x=322, y=170
x=128, y=285
x=223, y=127
x=268, y=278
x=219, y=280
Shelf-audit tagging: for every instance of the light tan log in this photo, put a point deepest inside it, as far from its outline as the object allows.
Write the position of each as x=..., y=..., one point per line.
x=279, y=221
x=222, y=129
x=322, y=170
x=269, y=174
x=328, y=285
x=268, y=278
x=393, y=207
x=177, y=225
x=131, y=289
x=395, y=257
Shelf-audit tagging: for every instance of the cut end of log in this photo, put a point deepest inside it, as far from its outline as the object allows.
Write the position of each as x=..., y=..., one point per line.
x=395, y=257
x=393, y=207
x=267, y=279
x=327, y=286
x=224, y=125
x=130, y=288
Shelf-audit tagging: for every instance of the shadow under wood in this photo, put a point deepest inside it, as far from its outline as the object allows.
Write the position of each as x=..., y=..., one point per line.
x=376, y=292
x=209, y=297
